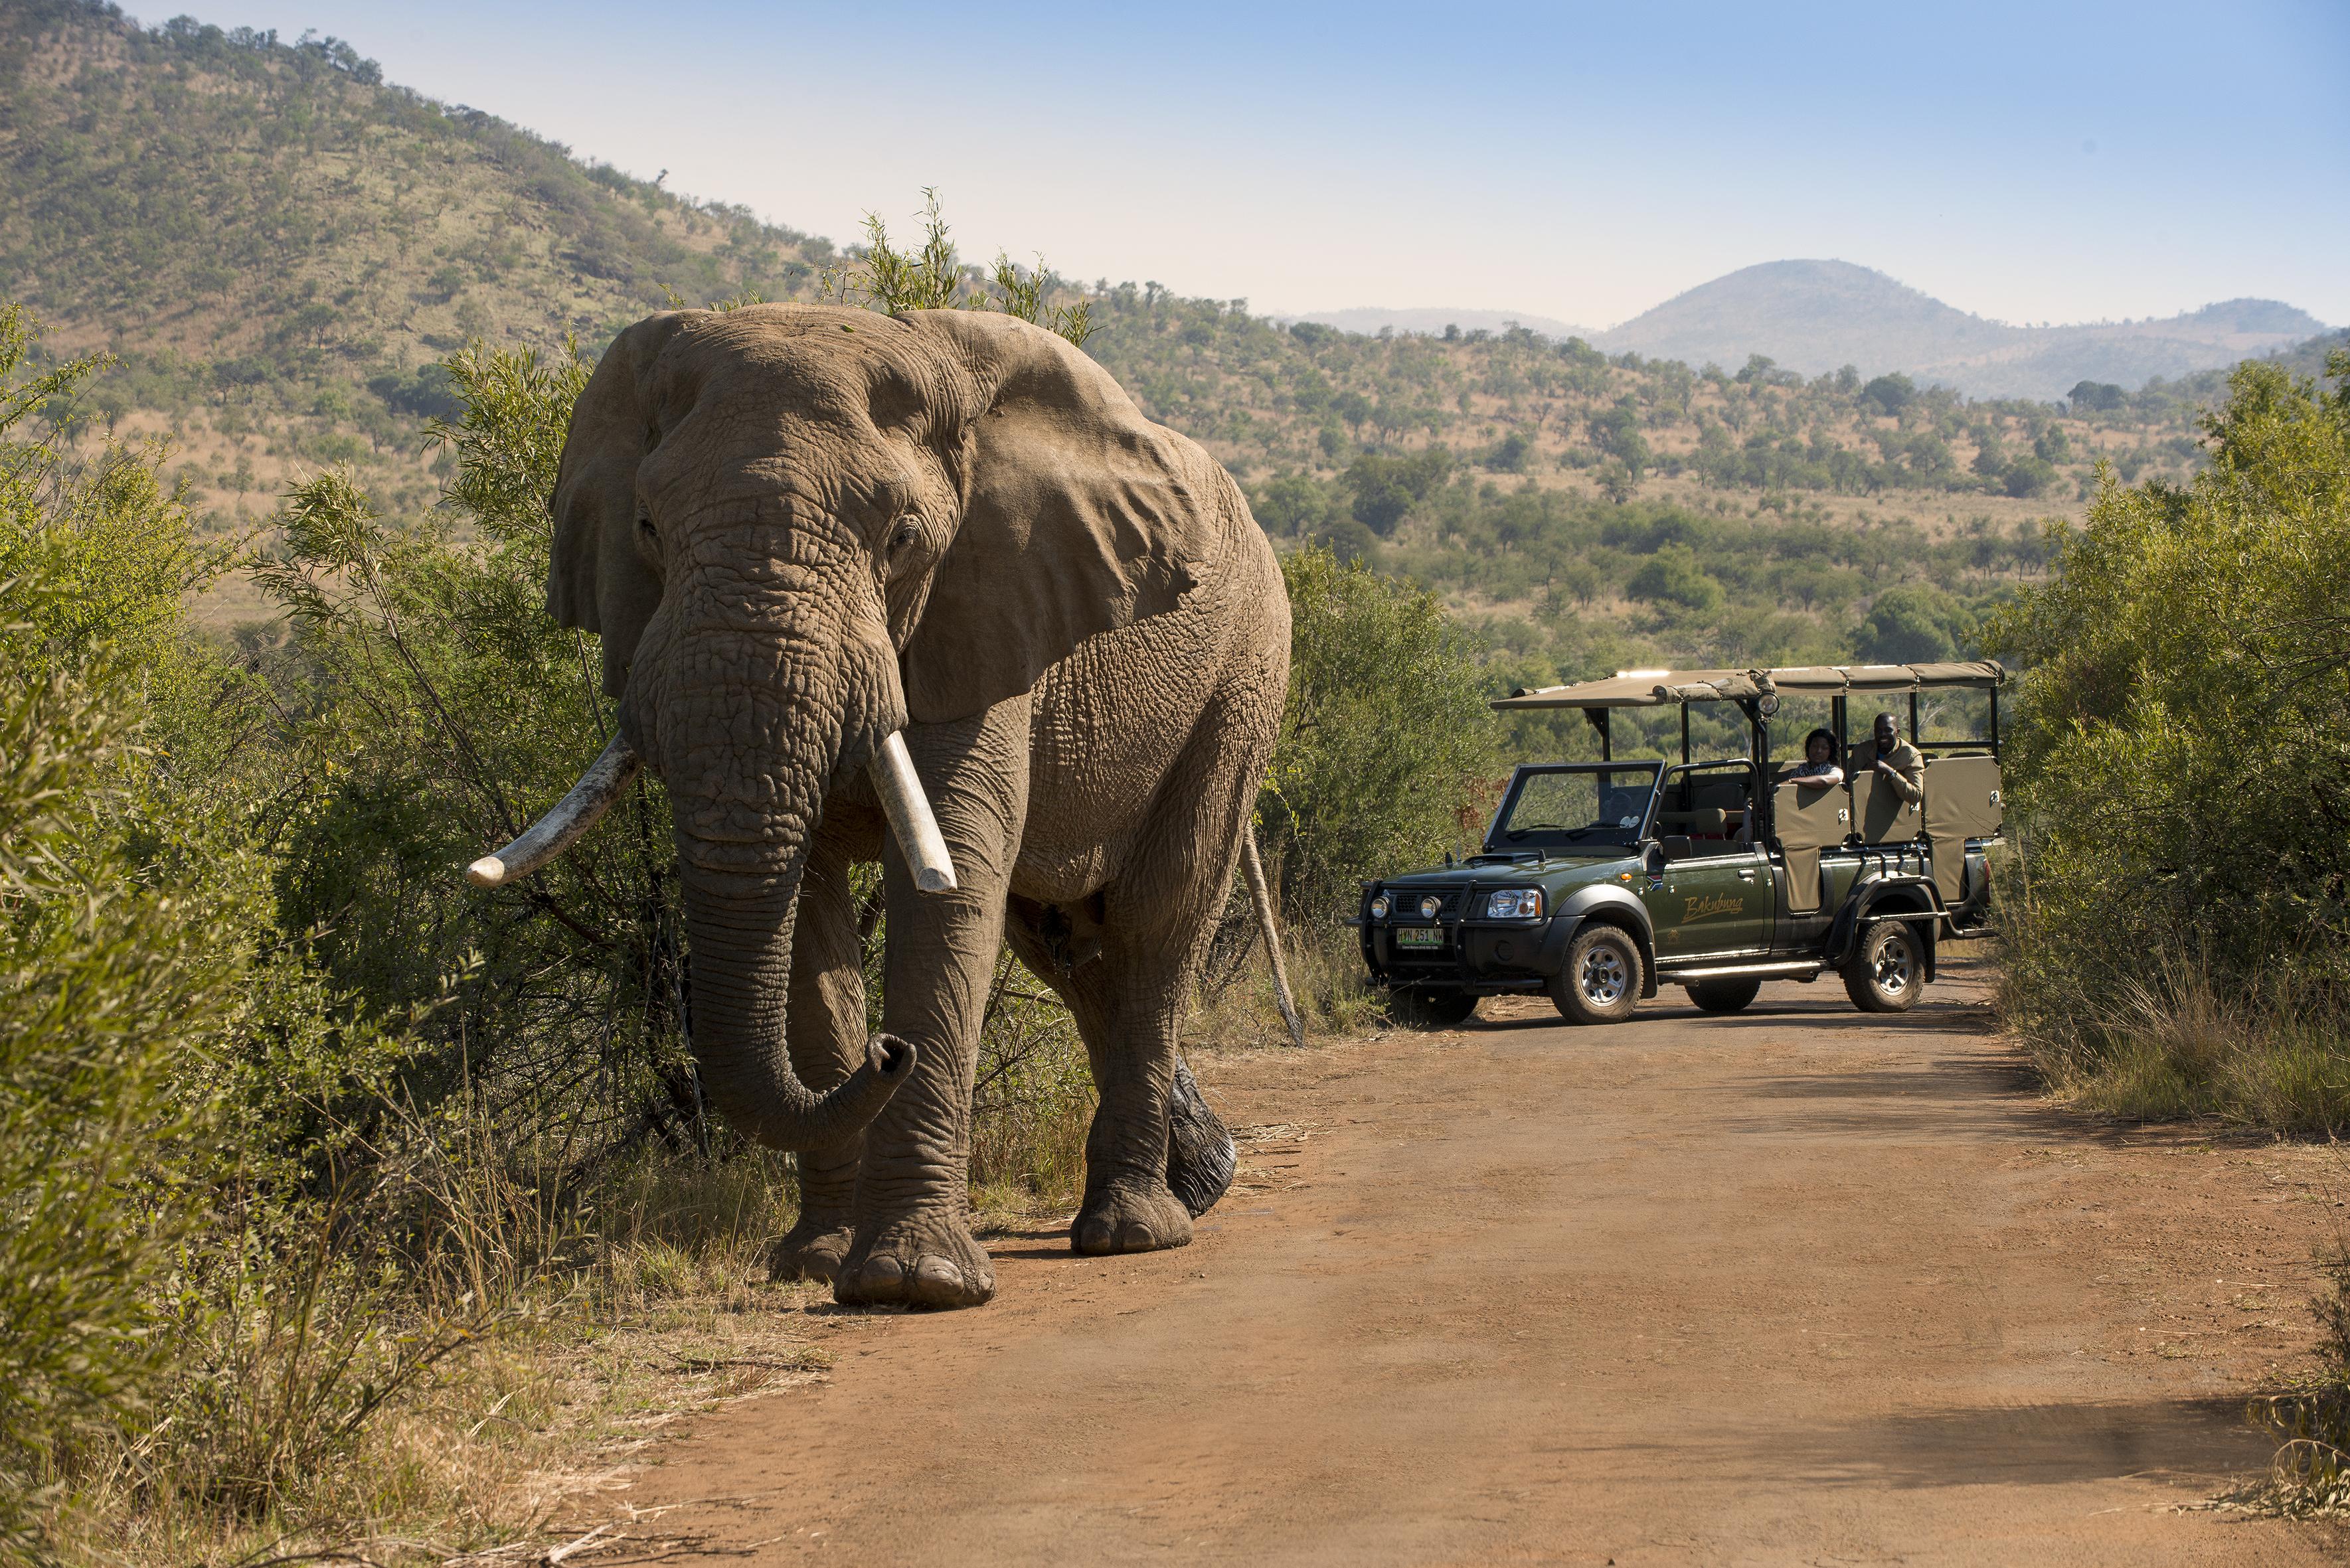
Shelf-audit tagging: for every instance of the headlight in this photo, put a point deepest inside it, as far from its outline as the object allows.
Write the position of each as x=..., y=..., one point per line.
x=1515, y=904
x=1430, y=905
x=1380, y=907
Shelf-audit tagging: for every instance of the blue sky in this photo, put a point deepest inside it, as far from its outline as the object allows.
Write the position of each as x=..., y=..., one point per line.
x=2044, y=162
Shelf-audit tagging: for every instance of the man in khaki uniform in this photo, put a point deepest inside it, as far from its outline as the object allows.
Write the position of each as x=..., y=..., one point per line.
x=1895, y=760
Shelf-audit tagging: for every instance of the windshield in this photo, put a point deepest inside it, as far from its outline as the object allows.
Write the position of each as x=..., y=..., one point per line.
x=1588, y=806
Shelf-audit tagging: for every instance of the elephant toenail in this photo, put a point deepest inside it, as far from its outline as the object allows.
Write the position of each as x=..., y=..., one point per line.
x=1134, y=1236
x=882, y=1274
x=942, y=1277
x=1094, y=1236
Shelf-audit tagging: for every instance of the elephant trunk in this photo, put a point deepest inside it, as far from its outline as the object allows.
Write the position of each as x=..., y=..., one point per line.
x=739, y=927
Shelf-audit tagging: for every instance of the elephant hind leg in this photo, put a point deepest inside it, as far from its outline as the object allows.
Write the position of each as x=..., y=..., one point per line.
x=1200, y=1155
x=1156, y=1156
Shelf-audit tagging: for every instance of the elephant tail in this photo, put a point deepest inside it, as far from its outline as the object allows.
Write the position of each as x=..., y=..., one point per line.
x=1200, y=1155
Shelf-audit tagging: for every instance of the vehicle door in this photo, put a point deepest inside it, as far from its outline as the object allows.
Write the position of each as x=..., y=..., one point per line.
x=1717, y=899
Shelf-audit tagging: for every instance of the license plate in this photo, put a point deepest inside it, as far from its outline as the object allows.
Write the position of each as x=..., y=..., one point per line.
x=1419, y=936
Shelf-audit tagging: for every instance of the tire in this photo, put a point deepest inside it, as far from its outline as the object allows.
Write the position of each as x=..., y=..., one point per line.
x=1725, y=995
x=1600, y=980
x=1887, y=970
x=1417, y=1007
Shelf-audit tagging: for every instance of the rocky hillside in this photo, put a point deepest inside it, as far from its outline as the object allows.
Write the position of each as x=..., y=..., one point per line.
x=279, y=248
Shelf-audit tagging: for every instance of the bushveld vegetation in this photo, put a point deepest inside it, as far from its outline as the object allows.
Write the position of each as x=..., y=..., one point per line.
x=2179, y=916
x=305, y=1148
x=305, y=1137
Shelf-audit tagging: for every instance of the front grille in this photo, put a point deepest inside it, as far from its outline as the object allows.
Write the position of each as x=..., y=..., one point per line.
x=1406, y=902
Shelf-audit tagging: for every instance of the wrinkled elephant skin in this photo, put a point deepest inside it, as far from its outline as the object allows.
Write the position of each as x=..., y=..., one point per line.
x=799, y=529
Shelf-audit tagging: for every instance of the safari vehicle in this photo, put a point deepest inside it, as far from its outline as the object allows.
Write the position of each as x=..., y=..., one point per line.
x=1600, y=882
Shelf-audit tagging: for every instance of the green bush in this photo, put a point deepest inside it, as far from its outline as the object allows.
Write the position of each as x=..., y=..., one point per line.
x=2180, y=776
x=1386, y=743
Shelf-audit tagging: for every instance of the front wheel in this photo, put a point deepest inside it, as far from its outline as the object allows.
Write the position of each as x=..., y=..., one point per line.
x=1888, y=970
x=1416, y=1007
x=1600, y=981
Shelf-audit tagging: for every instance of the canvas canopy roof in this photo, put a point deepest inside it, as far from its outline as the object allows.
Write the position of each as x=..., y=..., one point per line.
x=1656, y=688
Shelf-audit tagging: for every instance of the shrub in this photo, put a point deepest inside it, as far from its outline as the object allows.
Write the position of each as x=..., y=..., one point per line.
x=2181, y=771
x=1672, y=579
x=1912, y=623
x=1385, y=739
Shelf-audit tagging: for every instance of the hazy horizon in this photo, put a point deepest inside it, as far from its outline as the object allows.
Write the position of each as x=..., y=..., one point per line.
x=2025, y=165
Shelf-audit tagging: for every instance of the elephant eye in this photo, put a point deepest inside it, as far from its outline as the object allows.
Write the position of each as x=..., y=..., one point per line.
x=645, y=525
x=905, y=532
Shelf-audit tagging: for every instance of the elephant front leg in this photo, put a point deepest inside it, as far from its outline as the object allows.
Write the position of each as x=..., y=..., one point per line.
x=826, y=1032
x=914, y=1245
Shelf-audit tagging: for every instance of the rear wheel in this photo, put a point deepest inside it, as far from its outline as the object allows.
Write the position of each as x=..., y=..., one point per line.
x=1600, y=980
x=1888, y=970
x=1418, y=1007
x=1724, y=995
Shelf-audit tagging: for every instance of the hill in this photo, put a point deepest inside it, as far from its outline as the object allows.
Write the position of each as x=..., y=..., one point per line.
x=1814, y=316
x=279, y=248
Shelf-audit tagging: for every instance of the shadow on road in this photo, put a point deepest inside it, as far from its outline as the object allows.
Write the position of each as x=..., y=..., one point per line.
x=2200, y=1441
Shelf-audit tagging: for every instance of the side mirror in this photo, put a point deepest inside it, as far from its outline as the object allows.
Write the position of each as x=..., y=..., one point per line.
x=1654, y=861
x=1677, y=847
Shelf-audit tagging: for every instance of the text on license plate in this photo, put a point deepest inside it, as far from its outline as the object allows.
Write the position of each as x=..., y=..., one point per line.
x=1419, y=936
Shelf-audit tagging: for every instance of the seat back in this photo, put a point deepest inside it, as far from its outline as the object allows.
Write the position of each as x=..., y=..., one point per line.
x=1808, y=820
x=1963, y=801
x=1883, y=816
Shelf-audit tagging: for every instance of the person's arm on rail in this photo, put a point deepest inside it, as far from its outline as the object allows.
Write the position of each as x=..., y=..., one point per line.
x=1907, y=774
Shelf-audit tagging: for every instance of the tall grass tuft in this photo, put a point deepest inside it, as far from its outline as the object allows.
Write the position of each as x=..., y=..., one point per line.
x=2170, y=1036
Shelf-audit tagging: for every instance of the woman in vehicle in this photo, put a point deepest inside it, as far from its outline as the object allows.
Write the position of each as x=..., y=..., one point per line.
x=1819, y=767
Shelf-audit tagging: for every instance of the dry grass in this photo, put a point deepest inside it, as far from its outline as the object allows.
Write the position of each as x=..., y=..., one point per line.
x=1236, y=1007
x=2176, y=1041
x=465, y=1402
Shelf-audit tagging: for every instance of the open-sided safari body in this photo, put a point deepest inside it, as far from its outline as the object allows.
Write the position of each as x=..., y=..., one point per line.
x=1601, y=881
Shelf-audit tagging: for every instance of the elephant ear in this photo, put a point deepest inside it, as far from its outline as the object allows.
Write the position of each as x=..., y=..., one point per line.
x=598, y=578
x=1080, y=517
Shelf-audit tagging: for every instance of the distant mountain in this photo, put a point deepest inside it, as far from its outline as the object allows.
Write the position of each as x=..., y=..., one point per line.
x=1433, y=319
x=1814, y=316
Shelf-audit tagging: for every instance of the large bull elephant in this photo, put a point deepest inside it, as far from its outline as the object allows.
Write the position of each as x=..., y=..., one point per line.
x=803, y=530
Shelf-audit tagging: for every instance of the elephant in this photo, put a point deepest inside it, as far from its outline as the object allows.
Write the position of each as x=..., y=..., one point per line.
x=925, y=587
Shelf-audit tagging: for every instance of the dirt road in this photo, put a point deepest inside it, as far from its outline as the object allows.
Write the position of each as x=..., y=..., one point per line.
x=1797, y=1286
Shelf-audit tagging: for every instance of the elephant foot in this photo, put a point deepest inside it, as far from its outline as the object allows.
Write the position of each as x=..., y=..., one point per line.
x=1200, y=1157
x=1131, y=1220
x=812, y=1249
x=923, y=1260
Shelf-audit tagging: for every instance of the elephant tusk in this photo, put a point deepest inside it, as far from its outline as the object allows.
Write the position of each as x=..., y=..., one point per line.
x=574, y=814
x=916, y=830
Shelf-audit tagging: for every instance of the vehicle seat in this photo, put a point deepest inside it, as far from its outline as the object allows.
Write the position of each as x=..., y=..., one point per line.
x=1962, y=802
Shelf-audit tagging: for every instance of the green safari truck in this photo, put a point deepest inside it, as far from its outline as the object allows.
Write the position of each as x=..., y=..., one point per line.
x=1599, y=883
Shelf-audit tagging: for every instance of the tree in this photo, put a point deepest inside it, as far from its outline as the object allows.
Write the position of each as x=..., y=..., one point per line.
x=2180, y=760
x=1889, y=394
x=1385, y=737
x=1353, y=408
x=1673, y=580
x=2028, y=475
x=1510, y=453
x=1617, y=432
x=2096, y=397
x=1912, y=623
